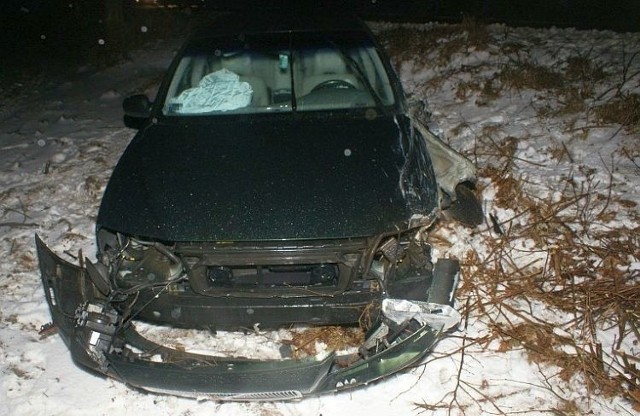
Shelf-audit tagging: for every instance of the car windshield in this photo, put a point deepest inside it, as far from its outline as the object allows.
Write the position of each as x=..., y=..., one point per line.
x=278, y=73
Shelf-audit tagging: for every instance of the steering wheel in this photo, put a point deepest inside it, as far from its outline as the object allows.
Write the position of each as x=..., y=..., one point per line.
x=334, y=83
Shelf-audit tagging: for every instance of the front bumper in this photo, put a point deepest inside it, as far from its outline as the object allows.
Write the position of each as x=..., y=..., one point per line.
x=99, y=340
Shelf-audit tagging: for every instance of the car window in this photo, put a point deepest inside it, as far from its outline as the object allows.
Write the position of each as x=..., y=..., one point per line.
x=339, y=71
x=278, y=73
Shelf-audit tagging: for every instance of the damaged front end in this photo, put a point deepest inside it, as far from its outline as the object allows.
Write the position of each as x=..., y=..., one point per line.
x=387, y=284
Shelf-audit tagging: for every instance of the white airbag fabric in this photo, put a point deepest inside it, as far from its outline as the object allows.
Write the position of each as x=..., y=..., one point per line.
x=218, y=91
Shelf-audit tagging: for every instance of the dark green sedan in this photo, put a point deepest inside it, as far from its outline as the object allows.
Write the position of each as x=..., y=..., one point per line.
x=276, y=179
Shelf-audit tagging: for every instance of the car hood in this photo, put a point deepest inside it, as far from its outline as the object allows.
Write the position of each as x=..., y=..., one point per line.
x=292, y=178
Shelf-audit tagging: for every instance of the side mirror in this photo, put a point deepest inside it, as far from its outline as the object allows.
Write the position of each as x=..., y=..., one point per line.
x=137, y=106
x=137, y=109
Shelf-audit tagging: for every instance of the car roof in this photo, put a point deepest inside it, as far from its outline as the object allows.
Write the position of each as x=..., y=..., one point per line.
x=278, y=21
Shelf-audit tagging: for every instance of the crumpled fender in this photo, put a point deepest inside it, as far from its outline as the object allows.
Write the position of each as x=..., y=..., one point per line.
x=98, y=340
x=450, y=167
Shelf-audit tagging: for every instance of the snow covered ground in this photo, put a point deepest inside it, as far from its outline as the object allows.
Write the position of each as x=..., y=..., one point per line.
x=59, y=142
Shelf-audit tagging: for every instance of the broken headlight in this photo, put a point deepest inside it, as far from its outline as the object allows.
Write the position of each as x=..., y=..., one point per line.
x=129, y=263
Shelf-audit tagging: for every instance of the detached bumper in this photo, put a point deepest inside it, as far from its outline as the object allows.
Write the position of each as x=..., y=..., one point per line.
x=98, y=340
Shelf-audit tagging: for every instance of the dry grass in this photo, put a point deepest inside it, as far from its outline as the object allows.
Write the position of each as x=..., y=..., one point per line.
x=437, y=44
x=529, y=75
x=583, y=68
x=564, y=260
x=555, y=278
x=572, y=85
x=558, y=263
x=623, y=109
x=336, y=338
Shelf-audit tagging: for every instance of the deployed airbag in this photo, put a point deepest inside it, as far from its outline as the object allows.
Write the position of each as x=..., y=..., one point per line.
x=218, y=91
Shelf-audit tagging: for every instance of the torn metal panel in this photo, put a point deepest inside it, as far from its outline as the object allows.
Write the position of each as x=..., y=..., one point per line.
x=450, y=167
x=417, y=181
x=437, y=316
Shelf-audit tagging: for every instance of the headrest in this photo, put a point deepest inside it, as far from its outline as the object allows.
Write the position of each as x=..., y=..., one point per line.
x=239, y=64
x=328, y=61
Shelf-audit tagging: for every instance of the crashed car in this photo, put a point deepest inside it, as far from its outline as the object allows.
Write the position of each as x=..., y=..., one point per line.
x=277, y=179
